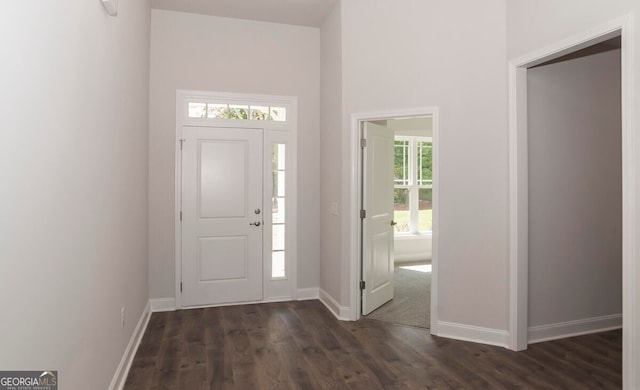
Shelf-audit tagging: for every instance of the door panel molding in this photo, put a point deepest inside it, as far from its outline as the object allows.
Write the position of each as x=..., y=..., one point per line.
x=222, y=254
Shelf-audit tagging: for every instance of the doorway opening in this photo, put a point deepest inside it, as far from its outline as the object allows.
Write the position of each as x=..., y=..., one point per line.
x=398, y=184
x=520, y=212
x=575, y=193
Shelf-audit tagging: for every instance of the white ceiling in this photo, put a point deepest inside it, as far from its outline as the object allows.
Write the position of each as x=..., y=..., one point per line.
x=300, y=12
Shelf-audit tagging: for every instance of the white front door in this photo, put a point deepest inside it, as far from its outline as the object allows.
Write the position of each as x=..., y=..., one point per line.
x=377, y=226
x=221, y=215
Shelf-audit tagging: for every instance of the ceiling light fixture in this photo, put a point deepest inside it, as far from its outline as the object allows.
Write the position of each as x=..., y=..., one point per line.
x=111, y=6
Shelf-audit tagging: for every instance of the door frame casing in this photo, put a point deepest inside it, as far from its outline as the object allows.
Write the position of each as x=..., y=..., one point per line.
x=274, y=290
x=354, y=204
x=518, y=189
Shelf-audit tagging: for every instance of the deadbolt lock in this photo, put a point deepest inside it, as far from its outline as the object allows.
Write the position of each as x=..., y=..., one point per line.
x=257, y=211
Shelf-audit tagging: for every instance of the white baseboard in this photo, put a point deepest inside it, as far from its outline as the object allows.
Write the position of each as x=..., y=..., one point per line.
x=340, y=312
x=475, y=334
x=537, y=334
x=305, y=294
x=162, y=304
x=120, y=376
x=266, y=300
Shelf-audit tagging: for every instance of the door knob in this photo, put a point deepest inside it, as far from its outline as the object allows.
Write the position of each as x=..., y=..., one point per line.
x=256, y=223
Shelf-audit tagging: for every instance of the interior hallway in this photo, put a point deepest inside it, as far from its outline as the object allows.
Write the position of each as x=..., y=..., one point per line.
x=300, y=345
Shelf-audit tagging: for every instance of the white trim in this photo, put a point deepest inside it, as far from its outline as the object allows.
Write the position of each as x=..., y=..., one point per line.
x=281, y=132
x=351, y=220
x=474, y=334
x=570, y=45
x=630, y=235
x=196, y=96
x=518, y=261
x=340, y=312
x=518, y=210
x=177, y=231
x=435, y=219
x=305, y=294
x=162, y=304
x=562, y=330
x=286, y=286
x=268, y=300
x=120, y=376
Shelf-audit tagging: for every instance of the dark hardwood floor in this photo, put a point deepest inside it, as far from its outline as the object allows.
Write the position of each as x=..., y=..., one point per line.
x=300, y=345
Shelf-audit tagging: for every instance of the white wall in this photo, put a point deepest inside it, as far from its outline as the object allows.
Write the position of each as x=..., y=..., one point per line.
x=73, y=203
x=330, y=152
x=201, y=52
x=412, y=53
x=532, y=25
x=419, y=127
x=412, y=248
x=575, y=189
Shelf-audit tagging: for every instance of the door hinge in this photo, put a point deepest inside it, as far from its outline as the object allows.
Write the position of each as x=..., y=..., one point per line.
x=181, y=142
x=363, y=143
x=180, y=286
x=362, y=284
x=180, y=215
x=363, y=214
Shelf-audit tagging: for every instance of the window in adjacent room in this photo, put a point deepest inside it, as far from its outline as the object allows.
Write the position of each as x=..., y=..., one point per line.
x=413, y=185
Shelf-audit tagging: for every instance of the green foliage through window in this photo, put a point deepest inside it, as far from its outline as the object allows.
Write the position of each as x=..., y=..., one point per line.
x=425, y=162
x=401, y=159
x=237, y=111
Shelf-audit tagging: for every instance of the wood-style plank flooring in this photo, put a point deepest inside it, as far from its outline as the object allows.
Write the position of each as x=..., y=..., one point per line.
x=300, y=345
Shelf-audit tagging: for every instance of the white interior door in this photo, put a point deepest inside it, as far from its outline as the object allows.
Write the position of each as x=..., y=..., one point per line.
x=221, y=215
x=377, y=226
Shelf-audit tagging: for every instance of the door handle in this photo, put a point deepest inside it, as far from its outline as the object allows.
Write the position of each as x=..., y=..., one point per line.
x=256, y=223
x=393, y=223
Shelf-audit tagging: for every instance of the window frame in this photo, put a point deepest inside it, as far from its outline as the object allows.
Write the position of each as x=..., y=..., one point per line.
x=186, y=97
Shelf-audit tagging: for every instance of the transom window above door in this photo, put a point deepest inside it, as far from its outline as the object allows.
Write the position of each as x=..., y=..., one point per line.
x=239, y=111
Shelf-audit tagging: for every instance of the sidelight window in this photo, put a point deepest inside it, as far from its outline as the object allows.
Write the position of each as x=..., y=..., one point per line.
x=278, y=249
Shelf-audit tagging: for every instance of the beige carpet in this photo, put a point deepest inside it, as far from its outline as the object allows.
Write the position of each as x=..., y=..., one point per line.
x=412, y=298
